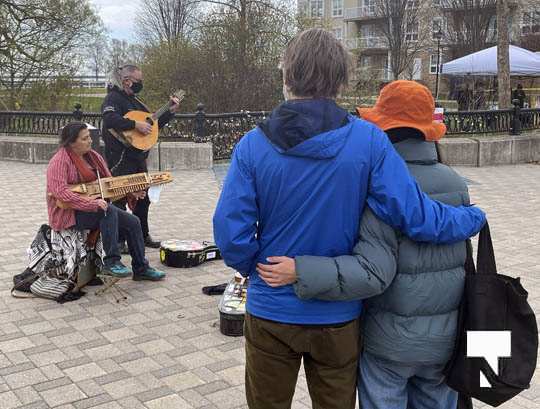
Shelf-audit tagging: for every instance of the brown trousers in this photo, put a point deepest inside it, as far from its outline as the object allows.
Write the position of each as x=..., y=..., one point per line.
x=274, y=352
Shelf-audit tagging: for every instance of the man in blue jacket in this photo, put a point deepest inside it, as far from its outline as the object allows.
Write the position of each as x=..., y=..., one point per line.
x=298, y=185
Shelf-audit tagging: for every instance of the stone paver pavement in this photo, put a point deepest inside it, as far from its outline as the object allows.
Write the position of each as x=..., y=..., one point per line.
x=164, y=349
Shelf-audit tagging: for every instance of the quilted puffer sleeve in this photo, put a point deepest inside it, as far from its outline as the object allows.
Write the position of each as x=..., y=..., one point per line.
x=366, y=273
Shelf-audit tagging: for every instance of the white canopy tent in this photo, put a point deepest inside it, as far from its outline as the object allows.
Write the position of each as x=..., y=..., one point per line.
x=522, y=63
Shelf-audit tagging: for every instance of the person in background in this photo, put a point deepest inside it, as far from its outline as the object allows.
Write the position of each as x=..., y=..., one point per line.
x=126, y=83
x=520, y=95
x=298, y=184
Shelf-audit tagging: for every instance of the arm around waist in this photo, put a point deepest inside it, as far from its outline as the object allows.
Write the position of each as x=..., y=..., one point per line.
x=366, y=273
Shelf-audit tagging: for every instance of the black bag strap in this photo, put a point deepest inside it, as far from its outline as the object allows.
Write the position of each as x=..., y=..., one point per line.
x=485, y=262
x=470, y=268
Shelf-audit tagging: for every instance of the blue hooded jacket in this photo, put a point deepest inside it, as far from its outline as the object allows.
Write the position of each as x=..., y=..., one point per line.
x=297, y=185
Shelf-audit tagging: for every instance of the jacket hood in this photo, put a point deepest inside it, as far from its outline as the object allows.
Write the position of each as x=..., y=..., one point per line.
x=312, y=128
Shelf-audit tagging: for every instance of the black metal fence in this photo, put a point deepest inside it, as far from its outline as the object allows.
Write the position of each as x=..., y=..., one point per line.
x=478, y=122
x=224, y=130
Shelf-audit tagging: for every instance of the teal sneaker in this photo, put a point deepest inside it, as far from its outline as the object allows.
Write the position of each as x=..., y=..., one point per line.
x=117, y=270
x=151, y=274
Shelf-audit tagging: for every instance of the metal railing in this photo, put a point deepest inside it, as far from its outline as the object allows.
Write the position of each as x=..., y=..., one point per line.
x=225, y=130
x=360, y=12
x=475, y=122
x=511, y=121
x=365, y=42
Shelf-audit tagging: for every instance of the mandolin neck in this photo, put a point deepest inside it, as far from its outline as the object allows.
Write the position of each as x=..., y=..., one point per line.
x=156, y=115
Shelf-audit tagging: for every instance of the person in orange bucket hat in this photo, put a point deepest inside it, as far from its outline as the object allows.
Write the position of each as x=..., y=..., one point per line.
x=411, y=290
x=405, y=104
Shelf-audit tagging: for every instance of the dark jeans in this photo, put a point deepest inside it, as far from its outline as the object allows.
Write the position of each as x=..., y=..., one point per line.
x=111, y=224
x=274, y=353
x=126, y=165
x=141, y=211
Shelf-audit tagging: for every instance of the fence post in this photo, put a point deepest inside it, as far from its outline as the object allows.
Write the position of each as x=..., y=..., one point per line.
x=77, y=114
x=200, y=119
x=516, y=120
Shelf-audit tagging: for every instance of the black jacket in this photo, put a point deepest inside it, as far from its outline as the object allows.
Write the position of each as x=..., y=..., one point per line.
x=519, y=94
x=115, y=105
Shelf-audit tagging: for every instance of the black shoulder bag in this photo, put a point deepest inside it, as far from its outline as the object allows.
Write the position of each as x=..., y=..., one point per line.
x=493, y=302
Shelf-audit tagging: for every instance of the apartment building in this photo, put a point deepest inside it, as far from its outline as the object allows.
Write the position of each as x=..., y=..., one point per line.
x=358, y=24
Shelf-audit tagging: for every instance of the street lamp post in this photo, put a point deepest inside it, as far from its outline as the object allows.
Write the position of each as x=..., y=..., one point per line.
x=438, y=36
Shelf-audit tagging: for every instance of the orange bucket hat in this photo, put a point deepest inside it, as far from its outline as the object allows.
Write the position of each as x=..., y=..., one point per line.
x=405, y=104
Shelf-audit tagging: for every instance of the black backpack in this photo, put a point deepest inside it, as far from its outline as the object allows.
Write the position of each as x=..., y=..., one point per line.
x=493, y=302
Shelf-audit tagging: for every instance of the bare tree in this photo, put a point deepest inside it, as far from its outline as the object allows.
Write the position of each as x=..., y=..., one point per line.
x=503, y=55
x=253, y=22
x=530, y=30
x=239, y=45
x=40, y=39
x=401, y=24
x=97, y=52
x=168, y=21
x=531, y=42
x=120, y=52
x=471, y=25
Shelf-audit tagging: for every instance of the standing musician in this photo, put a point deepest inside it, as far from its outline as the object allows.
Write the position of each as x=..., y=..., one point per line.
x=125, y=83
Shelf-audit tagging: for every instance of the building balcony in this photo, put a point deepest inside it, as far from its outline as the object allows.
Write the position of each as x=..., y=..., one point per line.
x=366, y=43
x=360, y=13
x=452, y=5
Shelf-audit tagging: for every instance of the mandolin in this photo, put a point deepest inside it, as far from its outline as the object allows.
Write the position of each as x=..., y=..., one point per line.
x=134, y=138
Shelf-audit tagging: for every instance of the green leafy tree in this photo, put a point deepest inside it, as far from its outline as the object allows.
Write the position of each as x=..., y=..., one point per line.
x=41, y=39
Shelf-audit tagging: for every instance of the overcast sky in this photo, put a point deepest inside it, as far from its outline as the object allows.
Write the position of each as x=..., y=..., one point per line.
x=118, y=17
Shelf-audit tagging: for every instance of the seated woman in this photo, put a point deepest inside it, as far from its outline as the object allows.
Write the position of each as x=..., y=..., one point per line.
x=410, y=321
x=76, y=162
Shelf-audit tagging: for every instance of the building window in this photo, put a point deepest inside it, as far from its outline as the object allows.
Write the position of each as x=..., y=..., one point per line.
x=369, y=7
x=365, y=61
x=492, y=30
x=438, y=23
x=337, y=8
x=417, y=69
x=411, y=33
x=316, y=8
x=530, y=23
x=433, y=63
x=368, y=30
x=338, y=32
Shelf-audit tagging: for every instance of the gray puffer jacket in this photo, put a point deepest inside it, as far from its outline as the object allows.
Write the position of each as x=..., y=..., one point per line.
x=415, y=288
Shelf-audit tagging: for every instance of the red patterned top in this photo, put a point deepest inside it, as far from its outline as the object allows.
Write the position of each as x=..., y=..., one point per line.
x=62, y=172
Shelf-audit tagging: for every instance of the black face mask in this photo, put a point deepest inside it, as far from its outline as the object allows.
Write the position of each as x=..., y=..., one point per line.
x=136, y=87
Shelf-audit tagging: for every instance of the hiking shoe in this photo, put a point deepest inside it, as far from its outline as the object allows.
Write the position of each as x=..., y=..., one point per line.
x=151, y=274
x=117, y=270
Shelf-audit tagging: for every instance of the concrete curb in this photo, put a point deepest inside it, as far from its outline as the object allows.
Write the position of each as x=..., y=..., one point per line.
x=490, y=150
x=163, y=156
